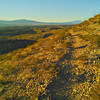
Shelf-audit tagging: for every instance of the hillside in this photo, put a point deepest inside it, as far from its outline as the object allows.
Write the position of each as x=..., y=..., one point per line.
x=62, y=64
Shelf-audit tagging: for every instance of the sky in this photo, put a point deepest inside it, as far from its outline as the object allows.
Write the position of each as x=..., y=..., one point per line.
x=49, y=10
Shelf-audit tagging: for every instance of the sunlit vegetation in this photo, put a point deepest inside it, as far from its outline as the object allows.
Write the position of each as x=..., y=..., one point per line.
x=50, y=62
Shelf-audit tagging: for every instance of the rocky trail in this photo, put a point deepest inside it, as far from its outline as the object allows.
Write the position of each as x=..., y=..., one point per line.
x=61, y=88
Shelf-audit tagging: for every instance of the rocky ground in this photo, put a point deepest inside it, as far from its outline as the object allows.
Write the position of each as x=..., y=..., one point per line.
x=62, y=66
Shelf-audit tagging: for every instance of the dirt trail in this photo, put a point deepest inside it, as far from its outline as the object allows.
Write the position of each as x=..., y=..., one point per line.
x=61, y=87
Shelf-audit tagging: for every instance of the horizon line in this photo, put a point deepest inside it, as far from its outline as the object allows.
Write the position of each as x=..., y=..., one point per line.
x=40, y=21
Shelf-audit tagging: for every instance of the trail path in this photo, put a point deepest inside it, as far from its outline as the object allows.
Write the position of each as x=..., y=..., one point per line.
x=61, y=87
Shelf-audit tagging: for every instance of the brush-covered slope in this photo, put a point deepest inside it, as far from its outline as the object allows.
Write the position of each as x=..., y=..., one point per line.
x=64, y=65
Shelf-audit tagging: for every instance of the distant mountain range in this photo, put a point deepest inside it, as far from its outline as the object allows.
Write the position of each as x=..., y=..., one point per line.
x=24, y=22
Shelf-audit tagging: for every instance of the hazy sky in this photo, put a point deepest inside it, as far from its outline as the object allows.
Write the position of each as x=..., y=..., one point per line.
x=49, y=10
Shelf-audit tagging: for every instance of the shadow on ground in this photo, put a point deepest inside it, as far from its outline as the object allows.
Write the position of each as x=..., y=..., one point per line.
x=7, y=46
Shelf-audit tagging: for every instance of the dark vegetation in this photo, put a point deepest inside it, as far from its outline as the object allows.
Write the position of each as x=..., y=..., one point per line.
x=12, y=31
x=7, y=46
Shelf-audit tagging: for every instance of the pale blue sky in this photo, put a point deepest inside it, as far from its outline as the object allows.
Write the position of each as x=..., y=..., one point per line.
x=49, y=10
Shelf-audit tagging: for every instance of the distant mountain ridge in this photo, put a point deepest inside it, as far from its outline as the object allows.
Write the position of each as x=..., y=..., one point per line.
x=24, y=22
